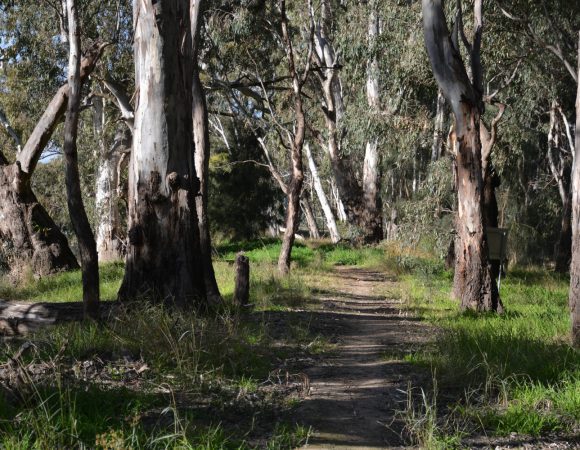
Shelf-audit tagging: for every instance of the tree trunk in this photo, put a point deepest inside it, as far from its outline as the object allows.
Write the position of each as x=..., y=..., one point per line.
x=32, y=237
x=491, y=179
x=202, y=154
x=29, y=235
x=575, y=265
x=328, y=214
x=439, y=131
x=561, y=171
x=351, y=193
x=473, y=278
x=109, y=233
x=163, y=238
x=310, y=219
x=76, y=208
x=242, y=282
x=340, y=210
x=372, y=219
x=295, y=185
x=473, y=281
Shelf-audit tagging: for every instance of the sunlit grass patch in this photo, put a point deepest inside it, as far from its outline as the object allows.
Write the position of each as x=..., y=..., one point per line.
x=521, y=373
x=63, y=287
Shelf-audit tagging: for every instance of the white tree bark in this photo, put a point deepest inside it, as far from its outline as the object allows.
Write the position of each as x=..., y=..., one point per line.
x=163, y=237
x=109, y=235
x=371, y=175
x=574, y=299
x=439, y=134
x=327, y=210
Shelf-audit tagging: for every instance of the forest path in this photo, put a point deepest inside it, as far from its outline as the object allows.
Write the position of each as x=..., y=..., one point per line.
x=356, y=390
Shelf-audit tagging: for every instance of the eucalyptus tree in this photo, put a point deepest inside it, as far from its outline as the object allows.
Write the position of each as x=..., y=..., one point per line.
x=163, y=254
x=296, y=140
x=34, y=53
x=35, y=237
x=549, y=31
x=82, y=227
x=574, y=297
x=360, y=196
x=473, y=281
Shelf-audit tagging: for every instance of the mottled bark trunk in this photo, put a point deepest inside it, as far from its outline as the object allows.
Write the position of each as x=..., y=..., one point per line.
x=163, y=237
x=110, y=232
x=295, y=185
x=439, y=134
x=473, y=279
x=76, y=208
x=351, y=192
x=473, y=282
x=310, y=219
x=574, y=298
x=29, y=235
x=326, y=209
x=202, y=154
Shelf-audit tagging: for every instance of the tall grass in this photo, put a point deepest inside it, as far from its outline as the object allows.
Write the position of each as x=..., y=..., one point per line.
x=518, y=370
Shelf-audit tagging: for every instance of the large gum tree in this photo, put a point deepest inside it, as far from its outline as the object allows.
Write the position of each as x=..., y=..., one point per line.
x=473, y=283
x=163, y=235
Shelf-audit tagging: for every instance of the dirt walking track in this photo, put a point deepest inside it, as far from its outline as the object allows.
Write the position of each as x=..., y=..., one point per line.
x=356, y=390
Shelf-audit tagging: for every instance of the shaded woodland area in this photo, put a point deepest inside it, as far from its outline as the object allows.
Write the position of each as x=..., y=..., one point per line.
x=256, y=190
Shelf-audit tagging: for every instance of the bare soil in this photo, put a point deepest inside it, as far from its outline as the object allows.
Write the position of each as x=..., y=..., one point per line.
x=356, y=391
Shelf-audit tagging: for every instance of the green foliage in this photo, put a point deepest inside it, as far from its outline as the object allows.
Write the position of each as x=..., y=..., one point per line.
x=234, y=176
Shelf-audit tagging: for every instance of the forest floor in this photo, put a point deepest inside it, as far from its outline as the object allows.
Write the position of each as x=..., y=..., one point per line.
x=359, y=348
x=357, y=391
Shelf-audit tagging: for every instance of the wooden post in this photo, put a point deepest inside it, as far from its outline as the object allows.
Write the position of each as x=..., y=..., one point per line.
x=242, y=289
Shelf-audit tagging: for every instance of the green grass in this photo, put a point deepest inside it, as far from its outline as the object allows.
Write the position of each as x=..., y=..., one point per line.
x=219, y=359
x=320, y=255
x=63, y=287
x=119, y=419
x=518, y=369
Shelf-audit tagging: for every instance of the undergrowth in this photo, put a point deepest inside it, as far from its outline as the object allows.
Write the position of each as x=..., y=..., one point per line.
x=516, y=372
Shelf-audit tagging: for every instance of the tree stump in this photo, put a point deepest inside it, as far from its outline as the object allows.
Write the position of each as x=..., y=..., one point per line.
x=242, y=289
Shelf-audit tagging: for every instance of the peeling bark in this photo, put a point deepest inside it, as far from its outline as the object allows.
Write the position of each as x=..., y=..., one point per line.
x=163, y=238
x=473, y=282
